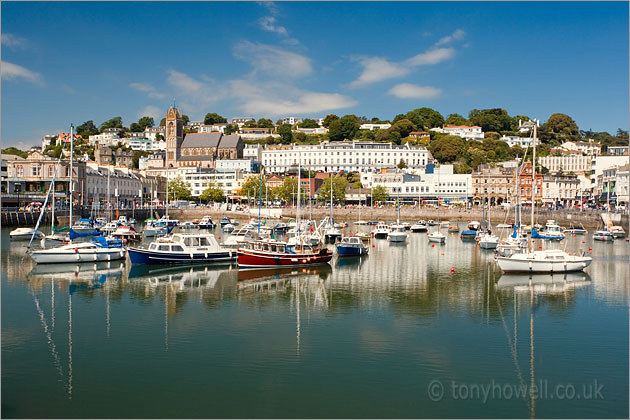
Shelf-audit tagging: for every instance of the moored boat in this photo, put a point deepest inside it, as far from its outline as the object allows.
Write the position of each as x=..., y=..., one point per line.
x=437, y=236
x=397, y=233
x=548, y=261
x=351, y=246
x=603, y=235
x=272, y=253
x=98, y=249
x=381, y=231
x=23, y=234
x=182, y=248
x=419, y=226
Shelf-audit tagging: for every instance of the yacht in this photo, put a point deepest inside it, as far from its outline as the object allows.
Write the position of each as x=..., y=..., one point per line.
x=207, y=223
x=548, y=261
x=603, y=235
x=187, y=225
x=239, y=237
x=397, y=233
x=98, y=249
x=576, y=230
x=617, y=231
x=437, y=236
x=24, y=234
x=488, y=241
x=552, y=231
x=419, y=226
x=351, y=246
x=182, y=248
x=272, y=253
x=381, y=231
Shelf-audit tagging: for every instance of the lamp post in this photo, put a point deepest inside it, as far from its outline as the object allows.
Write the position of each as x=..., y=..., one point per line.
x=18, y=188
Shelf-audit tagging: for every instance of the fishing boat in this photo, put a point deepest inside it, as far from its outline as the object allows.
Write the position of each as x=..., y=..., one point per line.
x=381, y=231
x=182, y=248
x=603, y=235
x=98, y=249
x=419, y=226
x=474, y=225
x=127, y=234
x=24, y=234
x=351, y=246
x=453, y=227
x=437, y=236
x=544, y=261
x=273, y=253
x=206, y=223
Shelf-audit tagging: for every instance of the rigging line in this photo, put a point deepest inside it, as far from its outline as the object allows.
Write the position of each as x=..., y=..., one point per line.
x=512, y=347
x=51, y=343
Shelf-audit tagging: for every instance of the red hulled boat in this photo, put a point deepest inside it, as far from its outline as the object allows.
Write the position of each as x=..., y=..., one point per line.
x=272, y=253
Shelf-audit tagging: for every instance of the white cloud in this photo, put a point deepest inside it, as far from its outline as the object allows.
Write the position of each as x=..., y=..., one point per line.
x=151, y=111
x=273, y=60
x=434, y=56
x=376, y=69
x=12, y=71
x=151, y=91
x=276, y=98
x=13, y=41
x=268, y=23
x=411, y=91
x=458, y=34
x=197, y=92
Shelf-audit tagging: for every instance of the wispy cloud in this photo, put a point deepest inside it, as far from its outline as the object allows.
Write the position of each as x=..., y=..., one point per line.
x=376, y=69
x=411, y=91
x=273, y=60
x=12, y=71
x=13, y=41
x=458, y=34
x=199, y=92
x=151, y=111
x=151, y=91
x=268, y=23
x=277, y=98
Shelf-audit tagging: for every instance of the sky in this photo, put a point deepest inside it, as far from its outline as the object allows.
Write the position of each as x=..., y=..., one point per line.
x=69, y=62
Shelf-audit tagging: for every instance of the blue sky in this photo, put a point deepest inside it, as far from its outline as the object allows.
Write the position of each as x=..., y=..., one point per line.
x=70, y=62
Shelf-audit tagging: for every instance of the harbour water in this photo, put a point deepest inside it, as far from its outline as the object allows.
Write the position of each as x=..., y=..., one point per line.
x=409, y=331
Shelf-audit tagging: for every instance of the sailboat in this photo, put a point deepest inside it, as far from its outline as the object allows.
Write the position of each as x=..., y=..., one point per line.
x=99, y=249
x=437, y=236
x=487, y=240
x=544, y=261
x=54, y=239
x=333, y=233
x=397, y=232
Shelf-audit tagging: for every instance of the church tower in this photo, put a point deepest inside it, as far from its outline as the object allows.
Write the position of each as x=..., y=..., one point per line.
x=174, y=135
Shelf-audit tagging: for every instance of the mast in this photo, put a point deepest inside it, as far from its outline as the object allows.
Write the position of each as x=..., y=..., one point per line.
x=331, y=199
x=166, y=204
x=71, y=169
x=533, y=181
x=52, y=215
x=259, y=196
x=299, y=190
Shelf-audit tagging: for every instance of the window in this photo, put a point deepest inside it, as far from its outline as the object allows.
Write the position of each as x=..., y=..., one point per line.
x=20, y=170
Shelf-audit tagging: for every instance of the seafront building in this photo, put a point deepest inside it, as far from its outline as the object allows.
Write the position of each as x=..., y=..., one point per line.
x=463, y=131
x=346, y=156
x=495, y=184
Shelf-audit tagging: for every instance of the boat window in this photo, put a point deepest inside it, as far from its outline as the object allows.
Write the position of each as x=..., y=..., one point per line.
x=280, y=248
x=177, y=248
x=559, y=257
x=204, y=242
x=273, y=248
x=152, y=246
x=265, y=247
x=257, y=246
x=188, y=242
x=163, y=248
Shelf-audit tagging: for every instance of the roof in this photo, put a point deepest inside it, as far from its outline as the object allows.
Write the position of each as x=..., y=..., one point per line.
x=194, y=158
x=462, y=126
x=201, y=140
x=230, y=142
x=6, y=156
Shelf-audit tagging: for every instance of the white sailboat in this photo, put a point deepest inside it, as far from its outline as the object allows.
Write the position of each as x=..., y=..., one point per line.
x=397, y=232
x=487, y=240
x=545, y=261
x=437, y=236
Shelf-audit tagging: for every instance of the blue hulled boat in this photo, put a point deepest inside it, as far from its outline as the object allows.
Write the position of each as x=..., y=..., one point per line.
x=182, y=248
x=351, y=246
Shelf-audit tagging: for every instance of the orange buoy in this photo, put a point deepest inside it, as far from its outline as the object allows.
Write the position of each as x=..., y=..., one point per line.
x=373, y=245
x=219, y=238
x=582, y=241
x=452, y=270
x=590, y=249
x=432, y=245
x=442, y=253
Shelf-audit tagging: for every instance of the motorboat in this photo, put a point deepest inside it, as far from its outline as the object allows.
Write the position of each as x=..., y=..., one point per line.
x=397, y=233
x=381, y=231
x=617, y=231
x=109, y=227
x=437, y=236
x=228, y=227
x=432, y=222
x=239, y=237
x=488, y=241
x=281, y=228
x=24, y=234
x=182, y=248
x=361, y=222
x=98, y=249
x=453, y=228
x=576, y=230
x=406, y=225
x=552, y=231
x=187, y=225
x=332, y=234
x=272, y=253
x=419, y=226
x=155, y=228
x=445, y=224
x=127, y=234
x=169, y=222
x=603, y=235
x=206, y=223
x=351, y=246
x=468, y=234
x=53, y=240
x=224, y=221
x=474, y=225
x=547, y=261
x=510, y=246
x=364, y=236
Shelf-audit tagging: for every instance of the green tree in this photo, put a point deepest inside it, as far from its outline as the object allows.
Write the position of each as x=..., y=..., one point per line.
x=403, y=127
x=213, y=118
x=230, y=129
x=135, y=128
x=423, y=118
x=265, y=123
x=286, y=133
x=329, y=119
x=447, y=148
x=379, y=194
x=87, y=129
x=402, y=164
x=145, y=122
x=115, y=122
x=308, y=123
x=558, y=127
x=17, y=152
x=455, y=119
x=212, y=193
x=343, y=128
x=250, y=124
x=185, y=119
x=339, y=183
x=494, y=119
x=251, y=186
x=288, y=188
x=163, y=122
x=178, y=189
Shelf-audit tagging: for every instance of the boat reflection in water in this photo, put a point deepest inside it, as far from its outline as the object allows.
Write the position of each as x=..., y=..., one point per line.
x=251, y=276
x=544, y=283
x=98, y=272
x=182, y=277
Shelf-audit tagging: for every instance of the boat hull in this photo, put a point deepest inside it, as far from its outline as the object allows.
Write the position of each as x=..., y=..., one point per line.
x=144, y=256
x=397, y=237
x=247, y=258
x=350, y=251
x=78, y=256
x=510, y=265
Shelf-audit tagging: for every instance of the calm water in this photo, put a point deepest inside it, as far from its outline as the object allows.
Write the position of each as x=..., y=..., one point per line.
x=394, y=334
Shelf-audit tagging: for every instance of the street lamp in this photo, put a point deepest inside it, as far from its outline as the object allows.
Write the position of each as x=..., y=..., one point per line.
x=18, y=188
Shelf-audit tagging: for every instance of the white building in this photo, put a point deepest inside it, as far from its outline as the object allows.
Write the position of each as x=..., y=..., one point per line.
x=463, y=131
x=152, y=132
x=566, y=163
x=241, y=121
x=291, y=120
x=588, y=148
x=522, y=142
x=441, y=182
x=124, y=184
x=617, y=150
x=621, y=184
x=253, y=152
x=230, y=182
x=565, y=190
x=104, y=139
x=349, y=156
x=242, y=165
x=212, y=128
x=145, y=145
x=317, y=130
x=370, y=126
